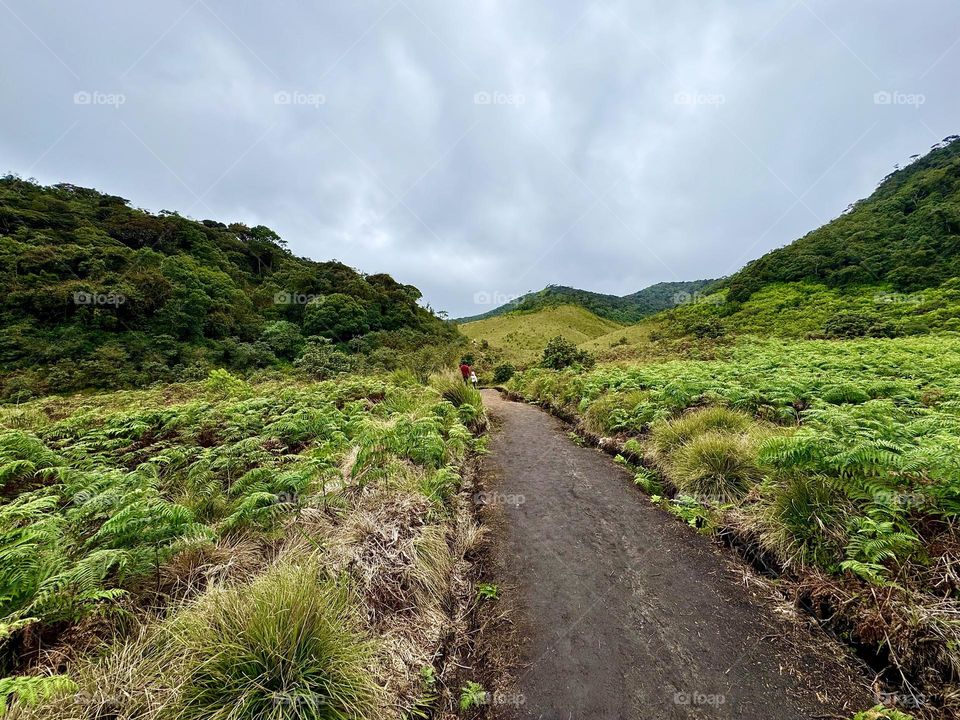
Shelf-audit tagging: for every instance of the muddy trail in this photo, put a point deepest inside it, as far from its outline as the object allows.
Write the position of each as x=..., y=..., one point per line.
x=625, y=612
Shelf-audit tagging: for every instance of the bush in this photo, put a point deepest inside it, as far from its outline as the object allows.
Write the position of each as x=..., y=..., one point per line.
x=502, y=373
x=669, y=435
x=286, y=646
x=715, y=466
x=322, y=361
x=561, y=353
x=848, y=325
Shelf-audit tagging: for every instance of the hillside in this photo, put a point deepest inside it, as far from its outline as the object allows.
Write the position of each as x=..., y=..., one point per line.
x=521, y=337
x=622, y=309
x=99, y=294
x=906, y=234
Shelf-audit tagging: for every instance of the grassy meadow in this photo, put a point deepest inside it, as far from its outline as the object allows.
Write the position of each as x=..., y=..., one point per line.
x=519, y=338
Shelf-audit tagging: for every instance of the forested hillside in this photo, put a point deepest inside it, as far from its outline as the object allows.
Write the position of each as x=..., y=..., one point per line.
x=621, y=309
x=100, y=294
x=907, y=234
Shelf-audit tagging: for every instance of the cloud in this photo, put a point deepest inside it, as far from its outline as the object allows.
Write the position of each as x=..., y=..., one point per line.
x=494, y=147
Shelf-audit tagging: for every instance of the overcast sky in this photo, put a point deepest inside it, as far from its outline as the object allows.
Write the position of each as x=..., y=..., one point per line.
x=482, y=149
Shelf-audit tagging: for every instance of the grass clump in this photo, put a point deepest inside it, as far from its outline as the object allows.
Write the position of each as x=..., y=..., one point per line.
x=802, y=520
x=715, y=466
x=619, y=411
x=287, y=646
x=670, y=435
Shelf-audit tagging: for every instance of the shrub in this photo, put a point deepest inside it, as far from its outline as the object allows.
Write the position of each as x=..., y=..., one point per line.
x=848, y=325
x=502, y=373
x=560, y=353
x=322, y=361
x=669, y=435
x=716, y=466
x=286, y=646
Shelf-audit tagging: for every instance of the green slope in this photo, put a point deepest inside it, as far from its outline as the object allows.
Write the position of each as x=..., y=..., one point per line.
x=522, y=336
x=99, y=294
x=906, y=234
x=622, y=309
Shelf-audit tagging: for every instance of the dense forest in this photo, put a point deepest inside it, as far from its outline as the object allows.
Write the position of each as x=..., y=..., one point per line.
x=623, y=309
x=906, y=234
x=100, y=294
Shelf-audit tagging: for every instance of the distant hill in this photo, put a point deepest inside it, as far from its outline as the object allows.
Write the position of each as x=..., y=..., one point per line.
x=521, y=337
x=100, y=294
x=906, y=234
x=622, y=309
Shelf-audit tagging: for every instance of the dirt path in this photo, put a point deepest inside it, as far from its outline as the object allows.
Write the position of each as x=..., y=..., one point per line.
x=628, y=613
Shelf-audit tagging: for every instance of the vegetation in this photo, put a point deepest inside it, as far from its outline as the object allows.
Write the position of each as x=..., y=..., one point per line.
x=219, y=544
x=626, y=309
x=905, y=234
x=519, y=338
x=561, y=353
x=99, y=294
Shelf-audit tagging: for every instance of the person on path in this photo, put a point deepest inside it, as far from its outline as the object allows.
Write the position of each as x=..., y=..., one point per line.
x=465, y=370
x=473, y=379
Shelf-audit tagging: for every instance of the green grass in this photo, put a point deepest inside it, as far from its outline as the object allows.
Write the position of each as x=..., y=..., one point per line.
x=289, y=645
x=521, y=337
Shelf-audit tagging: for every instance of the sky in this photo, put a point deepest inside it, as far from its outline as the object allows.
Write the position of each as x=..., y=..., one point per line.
x=483, y=149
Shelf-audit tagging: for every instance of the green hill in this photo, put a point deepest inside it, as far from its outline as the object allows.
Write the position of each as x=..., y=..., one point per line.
x=621, y=309
x=99, y=294
x=521, y=337
x=906, y=234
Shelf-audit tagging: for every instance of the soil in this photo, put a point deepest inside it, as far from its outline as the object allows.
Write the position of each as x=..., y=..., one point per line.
x=626, y=612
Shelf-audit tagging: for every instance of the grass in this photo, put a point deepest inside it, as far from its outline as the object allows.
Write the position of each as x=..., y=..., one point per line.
x=289, y=645
x=715, y=466
x=521, y=337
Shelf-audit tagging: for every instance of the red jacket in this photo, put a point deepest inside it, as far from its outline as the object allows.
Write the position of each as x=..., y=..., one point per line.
x=465, y=370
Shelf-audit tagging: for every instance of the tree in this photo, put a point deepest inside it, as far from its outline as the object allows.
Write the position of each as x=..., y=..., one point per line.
x=560, y=353
x=336, y=316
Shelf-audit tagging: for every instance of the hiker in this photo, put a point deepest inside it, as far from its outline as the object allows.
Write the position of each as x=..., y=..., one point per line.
x=465, y=370
x=473, y=379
